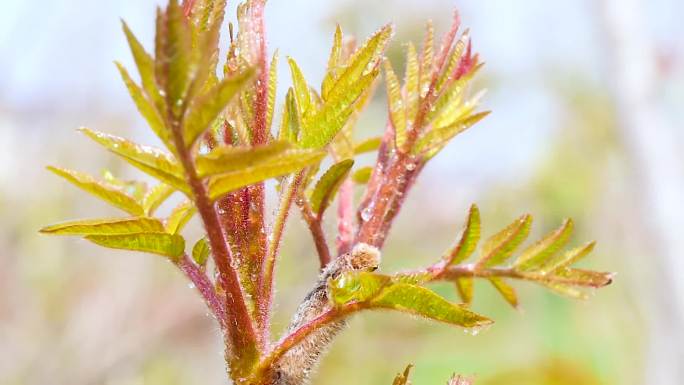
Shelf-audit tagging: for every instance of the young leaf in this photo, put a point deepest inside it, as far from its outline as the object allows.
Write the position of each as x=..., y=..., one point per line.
x=434, y=140
x=146, y=108
x=173, y=53
x=464, y=286
x=283, y=165
x=301, y=88
x=158, y=163
x=565, y=290
x=498, y=248
x=397, y=107
x=427, y=59
x=561, y=260
x=169, y=245
x=291, y=122
x=356, y=287
x=535, y=255
x=326, y=187
x=109, y=194
x=469, y=238
x=180, y=215
x=201, y=252
x=380, y=291
x=354, y=81
x=506, y=291
x=145, y=65
x=581, y=277
x=426, y=303
x=412, y=83
x=206, y=108
x=362, y=175
x=331, y=75
x=272, y=86
x=106, y=226
x=228, y=159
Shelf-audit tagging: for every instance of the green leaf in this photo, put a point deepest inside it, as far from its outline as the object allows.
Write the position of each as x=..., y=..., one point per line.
x=319, y=129
x=356, y=287
x=469, y=238
x=535, y=255
x=272, y=87
x=173, y=51
x=498, y=248
x=362, y=175
x=206, y=108
x=397, y=107
x=278, y=166
x=326, y=187
x=427, y=59
x=233, y=159
x=568, y=258
x=434, y=140
x=145, y=65
x=464, y=286
x=228, y=159
x=426, y=303
x=581, y=277
x=301, y=88
x=291, y=121
x=155, y=162
x=105, y=226
x=331, y=75
x=412, y=83
x=565, y=290
x=146, y=108
x=155, y=197
x=180, y=215
x=201, y=252
x=109, y=194
x=506, y=291
x=380, y=291
x=169, y=245
x=367, y=145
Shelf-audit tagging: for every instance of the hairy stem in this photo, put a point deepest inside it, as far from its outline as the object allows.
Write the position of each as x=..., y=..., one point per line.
x=239, y=323
x=265, y=297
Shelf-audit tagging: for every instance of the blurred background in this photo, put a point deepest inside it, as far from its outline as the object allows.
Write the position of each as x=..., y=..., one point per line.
x=587, y=122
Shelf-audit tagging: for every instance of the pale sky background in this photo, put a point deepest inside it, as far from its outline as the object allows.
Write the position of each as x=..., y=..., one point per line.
x=56, y=58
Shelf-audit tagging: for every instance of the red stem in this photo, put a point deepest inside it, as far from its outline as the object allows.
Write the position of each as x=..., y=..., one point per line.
x=316, y=229
x=206, y=288
x=345, y=217
x=239, y=323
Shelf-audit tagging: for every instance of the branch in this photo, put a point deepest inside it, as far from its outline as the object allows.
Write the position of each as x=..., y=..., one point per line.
x=240, y=328
x=316, y=229
x=265, y=285
x=451, y=273
x=206, y=288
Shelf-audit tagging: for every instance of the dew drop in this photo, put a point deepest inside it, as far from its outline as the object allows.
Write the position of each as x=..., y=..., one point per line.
x=367, y=213
x=191, y=286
